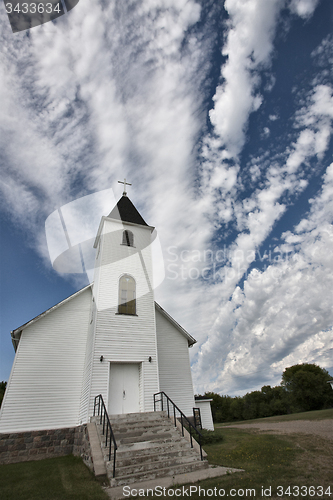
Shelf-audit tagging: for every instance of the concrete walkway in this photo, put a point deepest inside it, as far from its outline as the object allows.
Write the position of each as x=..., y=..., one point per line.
x=117, y=493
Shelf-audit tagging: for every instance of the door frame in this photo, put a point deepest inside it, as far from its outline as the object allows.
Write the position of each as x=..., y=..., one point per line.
x=140, y=364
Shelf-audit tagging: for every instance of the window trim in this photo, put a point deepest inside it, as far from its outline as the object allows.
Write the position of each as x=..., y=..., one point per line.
x=128, y=237
x=126, y=305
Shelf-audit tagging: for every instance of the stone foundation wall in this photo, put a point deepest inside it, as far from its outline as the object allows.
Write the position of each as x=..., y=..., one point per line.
x=81, y=446
x=37, y=445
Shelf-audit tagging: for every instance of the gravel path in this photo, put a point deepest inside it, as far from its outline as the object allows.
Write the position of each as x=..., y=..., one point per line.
x=323, y=428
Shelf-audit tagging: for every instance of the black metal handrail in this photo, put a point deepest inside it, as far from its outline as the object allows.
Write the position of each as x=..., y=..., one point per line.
x=107, y=429
x=182, y=417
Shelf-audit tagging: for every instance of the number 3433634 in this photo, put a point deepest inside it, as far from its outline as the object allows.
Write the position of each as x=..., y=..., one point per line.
x=33, y=8
x=308, y=491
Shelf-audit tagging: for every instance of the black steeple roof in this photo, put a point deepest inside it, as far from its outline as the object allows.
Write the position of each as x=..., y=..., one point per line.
x=126, y=211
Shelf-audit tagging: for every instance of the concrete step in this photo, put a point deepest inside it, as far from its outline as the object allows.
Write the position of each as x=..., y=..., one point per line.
x=133, y=420
x=137, y=417
x=168, y=461
x=149, y=447
x=153, y=474
x=141, y=442
x=147, y=435
x=123, y=425
x=122, y=429
x=151, y=456
x=141, y=427
x=143, y=432
x=158, y=435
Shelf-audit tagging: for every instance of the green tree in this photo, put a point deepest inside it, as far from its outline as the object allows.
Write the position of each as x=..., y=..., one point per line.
x=220, y=406
x=236, y=408
x=252, y=402
x=275, y=402
x=307, y=387
x=279, y=403
x=2, y=390
x=225, y=408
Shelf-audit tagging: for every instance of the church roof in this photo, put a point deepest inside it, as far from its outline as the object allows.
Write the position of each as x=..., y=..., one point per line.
x=126, y=212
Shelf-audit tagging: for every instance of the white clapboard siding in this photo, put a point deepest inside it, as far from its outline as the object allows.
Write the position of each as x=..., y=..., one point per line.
x=206, y=413
x=174, y=364
x=86, y=379
x=44, y=389
x=124, y=338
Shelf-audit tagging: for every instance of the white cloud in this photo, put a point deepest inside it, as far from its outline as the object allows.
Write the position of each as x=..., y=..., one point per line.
x=266, y=203
x=266, y=132
x=303, y=8
x=317, y=117
x=284, y=314
x=248, y=49
x=25, y=152
x=97, y=111
x=323, y=54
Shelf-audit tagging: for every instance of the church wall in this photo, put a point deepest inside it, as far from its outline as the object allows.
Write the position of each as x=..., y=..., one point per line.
x=86, y=382
x=174, y=365
x=44, y=389
x=124, y=338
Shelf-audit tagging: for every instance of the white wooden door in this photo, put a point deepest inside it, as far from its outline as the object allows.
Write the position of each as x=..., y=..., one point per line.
x=124, y=393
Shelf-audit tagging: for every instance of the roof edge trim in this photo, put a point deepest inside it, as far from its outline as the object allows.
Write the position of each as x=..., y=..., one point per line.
x=191, y=340
x=45, y=313
x=105, y=217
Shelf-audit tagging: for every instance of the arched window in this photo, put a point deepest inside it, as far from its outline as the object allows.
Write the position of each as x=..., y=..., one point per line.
x=127, y=302
x=128, y=238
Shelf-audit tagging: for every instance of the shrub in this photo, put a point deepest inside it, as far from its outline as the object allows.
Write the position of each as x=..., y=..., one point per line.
x=211, y=437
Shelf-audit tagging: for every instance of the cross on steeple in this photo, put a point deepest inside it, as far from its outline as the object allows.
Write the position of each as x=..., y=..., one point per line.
x=125, y=183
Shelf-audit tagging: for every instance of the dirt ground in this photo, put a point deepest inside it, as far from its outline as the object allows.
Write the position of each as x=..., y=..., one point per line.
x=323, y=428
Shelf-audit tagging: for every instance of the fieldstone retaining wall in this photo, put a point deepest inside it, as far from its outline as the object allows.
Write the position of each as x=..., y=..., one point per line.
x=37, y=445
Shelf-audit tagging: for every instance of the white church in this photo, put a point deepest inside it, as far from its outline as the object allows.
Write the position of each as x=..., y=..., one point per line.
x=109, y=338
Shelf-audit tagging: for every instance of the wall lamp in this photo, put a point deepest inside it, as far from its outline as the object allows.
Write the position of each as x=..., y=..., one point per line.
x=101, y=358
x=150, y=359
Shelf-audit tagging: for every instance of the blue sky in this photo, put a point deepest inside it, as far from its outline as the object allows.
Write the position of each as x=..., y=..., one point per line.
x=220, y=115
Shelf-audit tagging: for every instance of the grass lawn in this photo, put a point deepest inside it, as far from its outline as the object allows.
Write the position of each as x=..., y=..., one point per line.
x=306, y=415
x=63, y=478
x=270, y=461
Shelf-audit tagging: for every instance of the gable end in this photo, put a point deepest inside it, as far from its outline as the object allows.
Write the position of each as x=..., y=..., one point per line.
x=191, y=341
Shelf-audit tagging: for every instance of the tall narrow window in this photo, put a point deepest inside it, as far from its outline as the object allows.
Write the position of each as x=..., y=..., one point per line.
x=128, y=238
x=127, y=302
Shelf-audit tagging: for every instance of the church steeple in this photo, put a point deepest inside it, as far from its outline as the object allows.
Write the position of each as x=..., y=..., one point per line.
x=124, y=312
x=126, y=212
